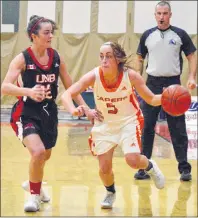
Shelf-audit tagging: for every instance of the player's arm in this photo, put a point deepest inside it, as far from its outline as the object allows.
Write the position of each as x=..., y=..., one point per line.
x=67, y=82
x=15, y=68
x=74, y=90
x=8, y=87
x=138, y=82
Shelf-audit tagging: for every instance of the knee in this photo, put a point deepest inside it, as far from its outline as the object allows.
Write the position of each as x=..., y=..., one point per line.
x=38, y=155
x=133, y=160
x=106, y=167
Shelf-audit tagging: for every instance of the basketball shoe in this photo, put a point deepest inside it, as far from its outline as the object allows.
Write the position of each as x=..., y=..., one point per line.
x=43, y=195
x=108, y=201
x=157, y=176
x=33, y=204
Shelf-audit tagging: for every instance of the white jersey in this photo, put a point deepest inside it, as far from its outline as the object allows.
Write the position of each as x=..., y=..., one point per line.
x=118, y=105
x=122, y=116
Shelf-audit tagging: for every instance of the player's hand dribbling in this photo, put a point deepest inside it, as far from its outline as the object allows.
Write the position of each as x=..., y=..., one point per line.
x=37, y=93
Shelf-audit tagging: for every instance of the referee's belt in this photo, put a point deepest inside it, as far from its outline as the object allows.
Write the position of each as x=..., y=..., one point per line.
x=164, y=77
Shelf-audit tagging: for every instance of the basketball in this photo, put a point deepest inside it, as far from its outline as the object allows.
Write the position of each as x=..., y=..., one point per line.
x=175, y=100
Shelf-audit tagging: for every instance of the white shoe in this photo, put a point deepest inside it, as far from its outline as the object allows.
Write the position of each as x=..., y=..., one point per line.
x=33, y=204
x=156, y=175
x=44, y=197
x=107, y=203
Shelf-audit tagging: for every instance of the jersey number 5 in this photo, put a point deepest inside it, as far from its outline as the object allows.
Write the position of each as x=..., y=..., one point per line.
x=113, y=109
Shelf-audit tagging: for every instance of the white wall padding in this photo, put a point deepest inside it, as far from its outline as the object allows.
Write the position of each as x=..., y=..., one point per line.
x=41, y=8
x=76, y=16
x=112, y=16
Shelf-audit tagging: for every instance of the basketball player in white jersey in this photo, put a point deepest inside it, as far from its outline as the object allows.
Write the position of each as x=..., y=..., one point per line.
x=114, y=85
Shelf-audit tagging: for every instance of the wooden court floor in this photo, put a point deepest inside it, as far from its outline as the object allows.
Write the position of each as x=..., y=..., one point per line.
x=71, y=177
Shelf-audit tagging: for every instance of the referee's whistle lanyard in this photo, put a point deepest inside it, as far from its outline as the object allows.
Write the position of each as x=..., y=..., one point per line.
x=162, y=34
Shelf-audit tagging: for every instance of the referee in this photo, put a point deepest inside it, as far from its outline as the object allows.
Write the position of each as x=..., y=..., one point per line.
x=163, y=46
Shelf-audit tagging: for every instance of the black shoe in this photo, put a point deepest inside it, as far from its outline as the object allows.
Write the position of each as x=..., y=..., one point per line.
x=186, y=176
x=141, y=175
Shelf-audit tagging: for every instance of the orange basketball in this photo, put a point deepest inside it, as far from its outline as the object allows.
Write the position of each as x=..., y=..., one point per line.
x=175, y=100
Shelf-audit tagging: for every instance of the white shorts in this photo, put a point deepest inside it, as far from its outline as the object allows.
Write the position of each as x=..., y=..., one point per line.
x=128, y=137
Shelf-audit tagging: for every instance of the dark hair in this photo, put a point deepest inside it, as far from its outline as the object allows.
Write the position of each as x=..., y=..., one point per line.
x=120, y=55
x=164, y=3
x=34, y=25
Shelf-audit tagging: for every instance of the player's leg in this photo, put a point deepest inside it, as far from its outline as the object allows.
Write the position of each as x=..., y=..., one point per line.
x=43, y=194
x=131, y=143
x=138, y=161
x=48, y=153
x=48, y=135
x=105, y=168
x=106, y=174
x=37, y=161
x=39, y=144
x=27, y=131
x=179, y=137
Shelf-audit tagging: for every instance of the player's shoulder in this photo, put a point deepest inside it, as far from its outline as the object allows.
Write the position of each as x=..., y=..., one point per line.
x=55, y=53
x=59, y=57
x=134, y=77
x=95, y=71
x=132, y=74
x=92, y=73
x=89, y=78
x=54, y=50
x=19, y=59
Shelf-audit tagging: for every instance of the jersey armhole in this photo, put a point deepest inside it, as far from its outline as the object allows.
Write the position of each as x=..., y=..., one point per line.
x=56, y=56
x=97, y=77
x=26, y=56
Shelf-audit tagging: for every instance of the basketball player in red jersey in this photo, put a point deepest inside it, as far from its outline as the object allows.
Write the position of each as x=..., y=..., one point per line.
x=114, y=96
x=34, y=116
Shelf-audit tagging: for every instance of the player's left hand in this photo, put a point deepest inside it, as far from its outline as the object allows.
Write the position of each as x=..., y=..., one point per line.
x=79, y=111
x=93, y=114
x=191, y=84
